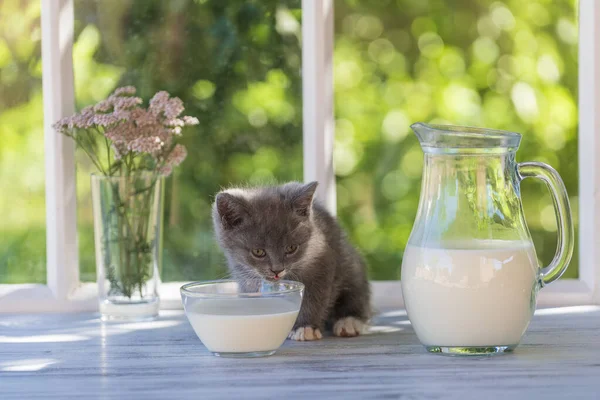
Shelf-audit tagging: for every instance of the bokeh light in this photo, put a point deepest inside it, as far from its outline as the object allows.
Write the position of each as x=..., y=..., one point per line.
x=500, y=64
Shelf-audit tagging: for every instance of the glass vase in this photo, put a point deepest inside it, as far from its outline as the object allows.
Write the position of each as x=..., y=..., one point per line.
x=128, y=219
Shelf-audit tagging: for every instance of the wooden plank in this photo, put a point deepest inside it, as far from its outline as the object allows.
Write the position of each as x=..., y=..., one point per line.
x=76, y=356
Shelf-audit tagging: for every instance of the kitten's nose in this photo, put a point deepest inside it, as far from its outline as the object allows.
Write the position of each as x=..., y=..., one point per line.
x=277, y=269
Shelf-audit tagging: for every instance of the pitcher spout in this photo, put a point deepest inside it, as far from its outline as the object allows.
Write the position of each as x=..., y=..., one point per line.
x=422, y=131
x=452, y=139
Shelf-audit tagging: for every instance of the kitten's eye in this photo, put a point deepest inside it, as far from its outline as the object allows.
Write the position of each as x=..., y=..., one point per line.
x=291, y=249
x=260, y=253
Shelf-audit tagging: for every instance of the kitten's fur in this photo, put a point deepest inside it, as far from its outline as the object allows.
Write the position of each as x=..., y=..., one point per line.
x=337, y=290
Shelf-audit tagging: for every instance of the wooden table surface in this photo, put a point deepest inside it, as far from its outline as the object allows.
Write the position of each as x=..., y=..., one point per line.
x=63, y=356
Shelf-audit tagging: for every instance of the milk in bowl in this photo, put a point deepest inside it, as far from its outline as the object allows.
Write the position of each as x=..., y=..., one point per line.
x=248, y=320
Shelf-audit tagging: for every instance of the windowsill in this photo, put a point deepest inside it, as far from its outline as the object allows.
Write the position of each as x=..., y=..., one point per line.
x=77, y=356
x=30, y=298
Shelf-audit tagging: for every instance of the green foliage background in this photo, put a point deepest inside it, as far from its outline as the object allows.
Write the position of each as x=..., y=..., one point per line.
x=236, y=64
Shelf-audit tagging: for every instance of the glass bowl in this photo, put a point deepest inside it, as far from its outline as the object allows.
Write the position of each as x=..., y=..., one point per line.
x=242, y=319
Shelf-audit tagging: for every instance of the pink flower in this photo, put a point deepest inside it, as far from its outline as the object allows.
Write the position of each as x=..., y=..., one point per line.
x=149, y=144
x=124, y=91
x=121, y=133
x=177, y=155
x=134, y=130
x=125, y=103
x=174, y=122
x=143, y=118
x=103, y=106
x=159, y=98
x=187, y=120
x=119, y=149
x=174, y=158
x=87, y=110
x=105, y=120
x=170, y=108
x=173, y=108
x=84, y=120
x=178, y=123
x=62, y=125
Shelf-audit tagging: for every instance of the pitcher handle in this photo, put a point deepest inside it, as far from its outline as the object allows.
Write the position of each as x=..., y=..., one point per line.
x=564, y=220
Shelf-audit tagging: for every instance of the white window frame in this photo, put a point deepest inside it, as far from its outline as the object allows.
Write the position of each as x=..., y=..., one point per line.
x=65, y=292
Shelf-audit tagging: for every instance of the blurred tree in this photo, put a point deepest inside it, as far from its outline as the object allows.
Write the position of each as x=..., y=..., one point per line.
x=236, y=65
x=22, y=205
x=507, y=65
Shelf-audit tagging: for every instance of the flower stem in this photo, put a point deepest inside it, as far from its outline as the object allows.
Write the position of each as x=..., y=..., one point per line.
x=92, y=158
x=107, y=151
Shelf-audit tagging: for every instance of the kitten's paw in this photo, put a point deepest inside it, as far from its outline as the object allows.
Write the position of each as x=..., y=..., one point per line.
x=348, y=327
x=305, y=333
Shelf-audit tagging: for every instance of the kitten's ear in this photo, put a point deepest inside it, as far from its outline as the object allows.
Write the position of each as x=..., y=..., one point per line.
x=303, y=198
x=232, y=210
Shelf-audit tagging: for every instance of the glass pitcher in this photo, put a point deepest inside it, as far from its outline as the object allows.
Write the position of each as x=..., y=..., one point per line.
x=470, y=274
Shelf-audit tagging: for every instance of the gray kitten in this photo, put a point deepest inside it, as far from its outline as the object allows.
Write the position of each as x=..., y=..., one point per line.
x=277, y=232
